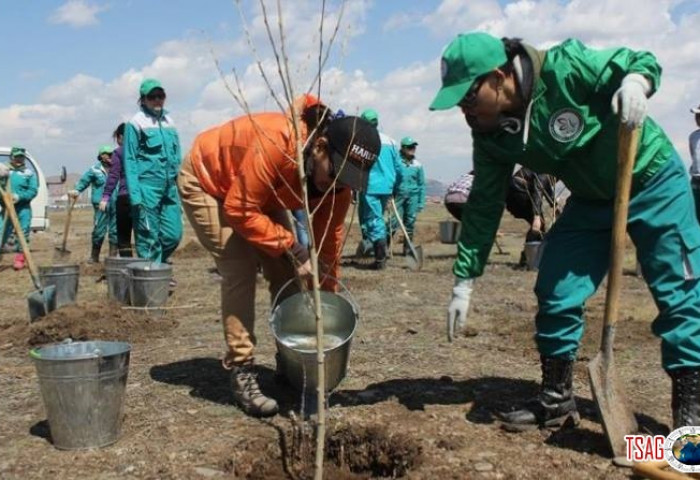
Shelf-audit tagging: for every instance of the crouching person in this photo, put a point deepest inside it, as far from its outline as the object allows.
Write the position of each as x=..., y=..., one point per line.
x=236, y=184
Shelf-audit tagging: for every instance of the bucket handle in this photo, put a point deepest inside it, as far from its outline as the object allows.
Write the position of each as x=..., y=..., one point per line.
x=351, y=298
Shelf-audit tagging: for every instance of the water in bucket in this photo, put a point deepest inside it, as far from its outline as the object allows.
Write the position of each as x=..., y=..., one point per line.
x=293, y=324
x=307, y=343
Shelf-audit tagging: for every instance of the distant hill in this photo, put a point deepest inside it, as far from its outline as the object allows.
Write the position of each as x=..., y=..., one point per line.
x=434, y=188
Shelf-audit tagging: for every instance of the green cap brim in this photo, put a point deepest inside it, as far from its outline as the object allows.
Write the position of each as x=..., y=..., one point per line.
x=450, y=96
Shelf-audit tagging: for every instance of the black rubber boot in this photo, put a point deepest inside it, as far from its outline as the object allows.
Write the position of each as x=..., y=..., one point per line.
x=379, y=255
x=113, y=250
x=685, y=400
x=95, y=254
x=554, y=406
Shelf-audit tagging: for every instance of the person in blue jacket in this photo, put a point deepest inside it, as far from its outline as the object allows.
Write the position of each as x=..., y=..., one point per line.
x=152, y=157
x=373, y=202
x=23, y=187
x=103, y=221
x=409, y=193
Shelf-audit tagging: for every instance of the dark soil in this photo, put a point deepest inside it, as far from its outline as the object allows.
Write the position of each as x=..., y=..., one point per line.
x=90, y=321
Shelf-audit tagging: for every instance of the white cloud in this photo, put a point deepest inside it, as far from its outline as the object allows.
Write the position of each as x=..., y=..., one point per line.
x=77, y=13
x=71, y=118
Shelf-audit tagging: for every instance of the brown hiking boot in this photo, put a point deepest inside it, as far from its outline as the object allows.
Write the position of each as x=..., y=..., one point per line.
x=247, y=394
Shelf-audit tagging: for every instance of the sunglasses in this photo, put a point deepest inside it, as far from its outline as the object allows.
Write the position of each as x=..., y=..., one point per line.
x=156, y=96
x=470, y=98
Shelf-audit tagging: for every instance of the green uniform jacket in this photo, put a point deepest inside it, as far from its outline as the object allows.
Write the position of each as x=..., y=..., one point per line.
x=24, y=184
x=152, y=153
x=411, y=181
x=95, y=177
x=569, y=131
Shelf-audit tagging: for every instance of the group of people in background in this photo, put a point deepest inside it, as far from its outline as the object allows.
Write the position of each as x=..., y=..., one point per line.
x=398, y=177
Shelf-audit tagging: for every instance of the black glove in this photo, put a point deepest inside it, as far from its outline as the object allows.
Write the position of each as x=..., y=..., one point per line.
x=300, y=253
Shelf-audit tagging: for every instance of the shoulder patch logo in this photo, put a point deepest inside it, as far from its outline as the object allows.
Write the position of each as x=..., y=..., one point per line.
x=565, y=125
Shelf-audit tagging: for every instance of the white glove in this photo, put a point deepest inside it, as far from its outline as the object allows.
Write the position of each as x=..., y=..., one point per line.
x=4, y=170
x=631, y=99
x=73, y=193
x=459, y=306
x=103, y=206
x=15, y=198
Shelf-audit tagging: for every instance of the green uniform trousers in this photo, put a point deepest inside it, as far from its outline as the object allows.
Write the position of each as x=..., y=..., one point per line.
x=663, y=226
x=157, y=222
x=103, y=223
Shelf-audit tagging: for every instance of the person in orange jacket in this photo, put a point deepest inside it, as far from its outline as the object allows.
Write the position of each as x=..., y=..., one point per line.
x=237, y=183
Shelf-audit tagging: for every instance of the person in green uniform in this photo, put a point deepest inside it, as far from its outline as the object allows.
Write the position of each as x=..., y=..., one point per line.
x=103, y=221
x=409, y=192
x=24, y=186
x=152, y=157
x=557, y=111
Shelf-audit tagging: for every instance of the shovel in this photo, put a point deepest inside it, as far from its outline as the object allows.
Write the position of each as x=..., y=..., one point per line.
x=62, y=251
x=415, y=259
x=617, y=418
x=42, y=300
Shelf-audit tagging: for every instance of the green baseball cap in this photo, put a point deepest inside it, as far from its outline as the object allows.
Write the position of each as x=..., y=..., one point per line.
x=466, y=58
x=371, y=116
x=105, y=149
x=18, y=152
x=148, y=85
x=408, y=142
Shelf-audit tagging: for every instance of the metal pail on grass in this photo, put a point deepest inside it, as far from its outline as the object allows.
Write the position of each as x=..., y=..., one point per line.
x=65, y=278
x=83, y=385
x=449, y=231
x=118, y=278
x=293, y=324
x=149, y=284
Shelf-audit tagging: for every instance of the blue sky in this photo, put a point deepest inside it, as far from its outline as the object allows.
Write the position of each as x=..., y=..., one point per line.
x=72, y=68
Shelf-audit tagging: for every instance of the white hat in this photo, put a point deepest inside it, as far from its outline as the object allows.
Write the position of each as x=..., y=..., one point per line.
x=695, y=110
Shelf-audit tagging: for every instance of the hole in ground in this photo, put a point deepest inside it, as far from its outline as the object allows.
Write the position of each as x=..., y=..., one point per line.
x=352, y=452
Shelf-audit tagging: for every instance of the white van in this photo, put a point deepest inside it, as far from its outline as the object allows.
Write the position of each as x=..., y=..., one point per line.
x=40, y=217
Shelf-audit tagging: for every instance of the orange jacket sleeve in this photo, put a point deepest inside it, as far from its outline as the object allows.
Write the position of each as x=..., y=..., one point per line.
x=263, y=167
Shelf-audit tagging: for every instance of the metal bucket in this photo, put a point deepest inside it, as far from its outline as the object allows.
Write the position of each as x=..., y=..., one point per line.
x=149, y=283
x=65, y=278
x=449, y=231
x=118, y=278
x=293, y=324
x=83, y=385
x=533, y=254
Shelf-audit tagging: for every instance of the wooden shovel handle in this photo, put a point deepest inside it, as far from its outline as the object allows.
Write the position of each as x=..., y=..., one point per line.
x=626, y=154
x=12, y=213
x=654, y=471
x=66, y=227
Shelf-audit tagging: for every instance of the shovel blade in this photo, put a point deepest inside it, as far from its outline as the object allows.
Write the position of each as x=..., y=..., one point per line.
x=41, y=302
x=414, y=259
x=61, y=253
x=618, y=420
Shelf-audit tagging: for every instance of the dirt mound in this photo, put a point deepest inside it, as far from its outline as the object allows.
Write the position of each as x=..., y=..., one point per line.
x=90, y=321
x=193, y=249
x=352, y=452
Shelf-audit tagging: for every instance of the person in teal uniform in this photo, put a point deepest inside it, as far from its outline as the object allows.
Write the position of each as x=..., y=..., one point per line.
x=152, y=157
x=23, y=186
x=104, y=222
x=409, y=193
x=558, y=111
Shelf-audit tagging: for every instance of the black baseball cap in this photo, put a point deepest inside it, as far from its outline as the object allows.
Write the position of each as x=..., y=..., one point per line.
x=354, y=147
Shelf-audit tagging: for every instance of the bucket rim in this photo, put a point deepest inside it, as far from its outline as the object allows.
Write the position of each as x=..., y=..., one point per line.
x=137, y=265
x=278, y=340
x=60, y=265
x=36, y=355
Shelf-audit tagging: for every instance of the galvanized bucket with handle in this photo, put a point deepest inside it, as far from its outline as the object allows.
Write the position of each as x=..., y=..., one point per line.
x=293, y=325
x=83, y=385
